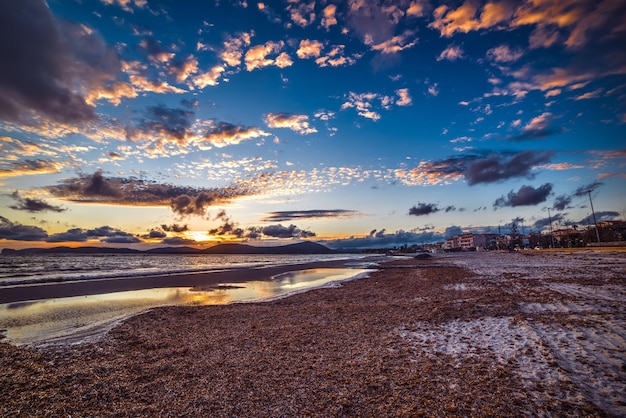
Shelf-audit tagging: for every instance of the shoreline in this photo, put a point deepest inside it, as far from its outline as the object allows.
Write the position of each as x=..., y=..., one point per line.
x=461, y=335
x=54, y=290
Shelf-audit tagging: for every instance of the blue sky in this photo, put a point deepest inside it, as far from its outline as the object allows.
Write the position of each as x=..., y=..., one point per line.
x=357, y=123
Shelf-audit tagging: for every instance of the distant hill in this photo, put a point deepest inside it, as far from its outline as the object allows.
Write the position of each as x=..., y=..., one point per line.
x=305, y=247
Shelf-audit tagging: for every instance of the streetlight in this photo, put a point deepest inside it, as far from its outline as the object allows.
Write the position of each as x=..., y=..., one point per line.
x=594, y=217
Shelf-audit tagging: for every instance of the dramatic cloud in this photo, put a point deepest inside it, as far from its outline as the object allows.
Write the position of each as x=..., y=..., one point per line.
x=525, y=196
x=584, y=190
x=282, y=216
x=171, y=124
x=26, y=167
x=291, y=231
x=42, y=72
x=175, y=228
x=561, y=202
x=496, y=168
x=607, y=215
x=33, y=205
x=423, y=209
x=18, y=232
x=541, y=224
x=155, y=234
x=297, y=123
x=133, y=192
x=105, y=234
x=223, y=134
x=382, y=239
x=452, y=231
x=539, y=127
x=179, y=241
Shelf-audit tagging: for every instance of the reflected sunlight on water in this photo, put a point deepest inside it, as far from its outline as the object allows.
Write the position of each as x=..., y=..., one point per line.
x=83, y=318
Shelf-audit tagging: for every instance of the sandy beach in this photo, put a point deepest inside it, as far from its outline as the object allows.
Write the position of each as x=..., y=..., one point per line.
x=468, y=334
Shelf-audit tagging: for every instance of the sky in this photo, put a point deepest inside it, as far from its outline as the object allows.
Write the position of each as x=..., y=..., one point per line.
x=356, y=124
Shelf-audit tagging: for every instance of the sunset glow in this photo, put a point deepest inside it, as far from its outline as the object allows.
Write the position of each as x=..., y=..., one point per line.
x=354, y=123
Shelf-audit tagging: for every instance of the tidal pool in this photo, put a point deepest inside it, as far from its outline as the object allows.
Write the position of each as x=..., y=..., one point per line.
x=81, y=319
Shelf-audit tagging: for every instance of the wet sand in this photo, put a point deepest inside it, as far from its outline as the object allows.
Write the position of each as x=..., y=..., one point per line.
x=464, y=335
x=205, y=279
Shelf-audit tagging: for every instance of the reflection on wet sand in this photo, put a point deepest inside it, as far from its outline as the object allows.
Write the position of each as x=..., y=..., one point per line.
x=84, y=318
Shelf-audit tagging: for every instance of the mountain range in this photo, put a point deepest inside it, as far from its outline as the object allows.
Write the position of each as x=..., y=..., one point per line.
x=306, y=247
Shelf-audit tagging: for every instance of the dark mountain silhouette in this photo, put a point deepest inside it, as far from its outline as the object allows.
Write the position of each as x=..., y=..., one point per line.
x=306, y=247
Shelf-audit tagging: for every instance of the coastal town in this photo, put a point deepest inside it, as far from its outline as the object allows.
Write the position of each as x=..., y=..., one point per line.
x=607, y=234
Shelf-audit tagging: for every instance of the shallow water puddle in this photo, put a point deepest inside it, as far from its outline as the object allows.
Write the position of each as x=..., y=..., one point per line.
x=85, y=318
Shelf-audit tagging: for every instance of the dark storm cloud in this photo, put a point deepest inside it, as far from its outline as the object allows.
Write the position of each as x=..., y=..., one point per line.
x=18, y=232
x=496, y=167
x=121, y=239
x=198, y=204
x=525, y=196
x=227, y=228
x=561, y=202
x=47, y=62
x=423, y=209
x=485, y=166
x=182, y=200
x=179, y=241
x=281, y=216
x=167, y=122
x=105, y=234
x=155, y=233
x=607, y=215
x=536, y=133
x=98, y=186
x=175, y=228
x=291, y=231
x=583, y=190
x=71, y=235
x=382, y=239
x=542, y=223
x=33, y=205
x=451, y=208
x=24, y=167
x=452, y=231
x=539, y=127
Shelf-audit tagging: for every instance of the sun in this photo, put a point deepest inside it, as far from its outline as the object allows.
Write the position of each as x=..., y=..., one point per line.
x=199, y=236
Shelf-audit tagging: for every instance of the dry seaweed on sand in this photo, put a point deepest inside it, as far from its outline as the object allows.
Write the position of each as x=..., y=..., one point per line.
x=462, y=339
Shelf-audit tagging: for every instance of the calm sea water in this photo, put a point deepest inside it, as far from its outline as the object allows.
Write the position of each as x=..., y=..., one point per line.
x=31, y=269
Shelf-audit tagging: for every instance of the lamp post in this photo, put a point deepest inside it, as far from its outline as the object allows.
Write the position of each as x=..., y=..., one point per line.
x=594, y=217
x=551, y=236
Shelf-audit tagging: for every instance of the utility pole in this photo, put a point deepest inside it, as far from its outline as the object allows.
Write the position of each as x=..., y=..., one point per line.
x=594, y=217
x=551, y=236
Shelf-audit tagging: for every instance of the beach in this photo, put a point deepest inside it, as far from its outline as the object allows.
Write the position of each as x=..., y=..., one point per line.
x=468, y=334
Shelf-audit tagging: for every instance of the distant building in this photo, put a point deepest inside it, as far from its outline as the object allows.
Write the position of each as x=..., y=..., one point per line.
x=469, y=241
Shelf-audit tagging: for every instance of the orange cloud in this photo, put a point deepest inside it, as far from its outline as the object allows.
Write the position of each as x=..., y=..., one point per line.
x=257, y=56
x=297, y=123
x=309, y=49
x=328, y=16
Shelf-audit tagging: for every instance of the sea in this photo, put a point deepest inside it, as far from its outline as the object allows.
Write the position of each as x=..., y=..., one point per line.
x=20, y=270
x=82, y=319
